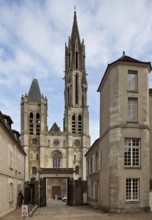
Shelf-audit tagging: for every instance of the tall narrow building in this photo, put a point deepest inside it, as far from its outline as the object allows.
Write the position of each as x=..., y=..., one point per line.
x=118, y=162
x=76, y=121
x=51, y=153
x=33, y=128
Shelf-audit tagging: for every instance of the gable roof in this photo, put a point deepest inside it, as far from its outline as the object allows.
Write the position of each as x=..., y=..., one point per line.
x=55, y=128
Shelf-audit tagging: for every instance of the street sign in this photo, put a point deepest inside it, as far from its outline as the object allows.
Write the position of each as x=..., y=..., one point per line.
x=24, y=210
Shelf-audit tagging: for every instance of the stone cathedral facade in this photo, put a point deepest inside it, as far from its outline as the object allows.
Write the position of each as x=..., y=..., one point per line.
x=53, y=148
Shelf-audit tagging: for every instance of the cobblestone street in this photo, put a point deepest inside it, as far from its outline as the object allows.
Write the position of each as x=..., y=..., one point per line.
x=59, y=210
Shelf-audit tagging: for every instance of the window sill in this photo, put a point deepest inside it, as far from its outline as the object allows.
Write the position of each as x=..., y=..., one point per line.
x=132, y=167
x=132, y=202
x=132, y=91
x=132, y=122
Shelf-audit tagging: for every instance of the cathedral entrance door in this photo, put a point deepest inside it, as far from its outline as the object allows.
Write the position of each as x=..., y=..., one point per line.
x=56, y=190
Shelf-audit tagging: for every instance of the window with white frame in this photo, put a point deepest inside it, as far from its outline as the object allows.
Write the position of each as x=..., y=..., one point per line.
x=100, y=159
x=132, y=189
x=132, y=80
x=132, y=152
x=132, y=109
x=10, y=192
x=88, y=167
x=97, y=162
x=11, y=159
x=19, y=165
x=91, y=165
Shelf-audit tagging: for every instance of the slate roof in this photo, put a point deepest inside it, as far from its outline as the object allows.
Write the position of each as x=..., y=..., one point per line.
x=125, y=59
x=34, y=94
x=55, y=128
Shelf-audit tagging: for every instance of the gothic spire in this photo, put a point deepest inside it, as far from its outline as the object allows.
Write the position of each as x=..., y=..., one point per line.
x=34, y=94
x=75, y=30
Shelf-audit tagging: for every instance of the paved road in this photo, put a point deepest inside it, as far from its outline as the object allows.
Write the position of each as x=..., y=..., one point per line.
x=56, y=210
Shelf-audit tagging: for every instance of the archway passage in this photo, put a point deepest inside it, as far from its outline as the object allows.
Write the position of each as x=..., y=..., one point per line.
x=56, y=191
x=59, y=181
x=56, y=187
x=53, y=183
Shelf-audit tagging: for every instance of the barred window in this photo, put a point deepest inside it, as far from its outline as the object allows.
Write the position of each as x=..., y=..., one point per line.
x=132, y=189
x=132, y=152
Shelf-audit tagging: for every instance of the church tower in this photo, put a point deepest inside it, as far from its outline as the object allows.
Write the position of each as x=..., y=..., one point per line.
x=76, y=115
x=33, y=128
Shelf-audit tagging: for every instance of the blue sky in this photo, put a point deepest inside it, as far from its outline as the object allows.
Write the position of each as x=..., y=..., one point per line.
x=33, y=34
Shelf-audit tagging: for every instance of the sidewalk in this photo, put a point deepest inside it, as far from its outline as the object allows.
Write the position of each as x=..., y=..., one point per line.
x=57, y=210
x=17, y=214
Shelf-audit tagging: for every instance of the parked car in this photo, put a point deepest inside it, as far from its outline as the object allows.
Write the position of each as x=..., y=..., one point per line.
x=60, y=197
x=64, y=199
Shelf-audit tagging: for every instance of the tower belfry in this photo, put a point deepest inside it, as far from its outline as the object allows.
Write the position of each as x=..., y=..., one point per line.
x=76, y=121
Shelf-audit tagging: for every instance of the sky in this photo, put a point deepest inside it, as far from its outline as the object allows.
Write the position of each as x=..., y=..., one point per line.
x=33, y=34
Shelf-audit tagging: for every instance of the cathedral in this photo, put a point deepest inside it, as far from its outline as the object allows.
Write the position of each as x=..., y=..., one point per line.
x=52, y=154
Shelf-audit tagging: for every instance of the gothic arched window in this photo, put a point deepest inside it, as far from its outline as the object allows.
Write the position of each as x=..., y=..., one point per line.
x=37, y=123
x=79, y=124
x=73, y=124
x=76, y=60
x=31, y=123
x=76, y=89
x=57, y=159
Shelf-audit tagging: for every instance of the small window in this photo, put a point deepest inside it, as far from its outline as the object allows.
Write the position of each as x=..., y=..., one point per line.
x=73, y=124
x=37, y=156
x=19, y=165
x=132, y=80
x=97, y=162
x=37, y=124
x=132, y=109
x=10, y=192
x=11, y=159
x=31, y=123
x=34, y=170
x=79, y=124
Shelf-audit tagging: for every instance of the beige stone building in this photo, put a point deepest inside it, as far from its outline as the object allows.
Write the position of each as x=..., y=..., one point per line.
x=52, y=149
x=120, y=181
x=12, y=159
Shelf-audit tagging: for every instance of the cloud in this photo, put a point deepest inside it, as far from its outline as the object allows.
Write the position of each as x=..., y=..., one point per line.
x=32, y=43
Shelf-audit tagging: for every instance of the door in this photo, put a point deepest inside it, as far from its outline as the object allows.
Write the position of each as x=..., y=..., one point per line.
x=56, y=191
